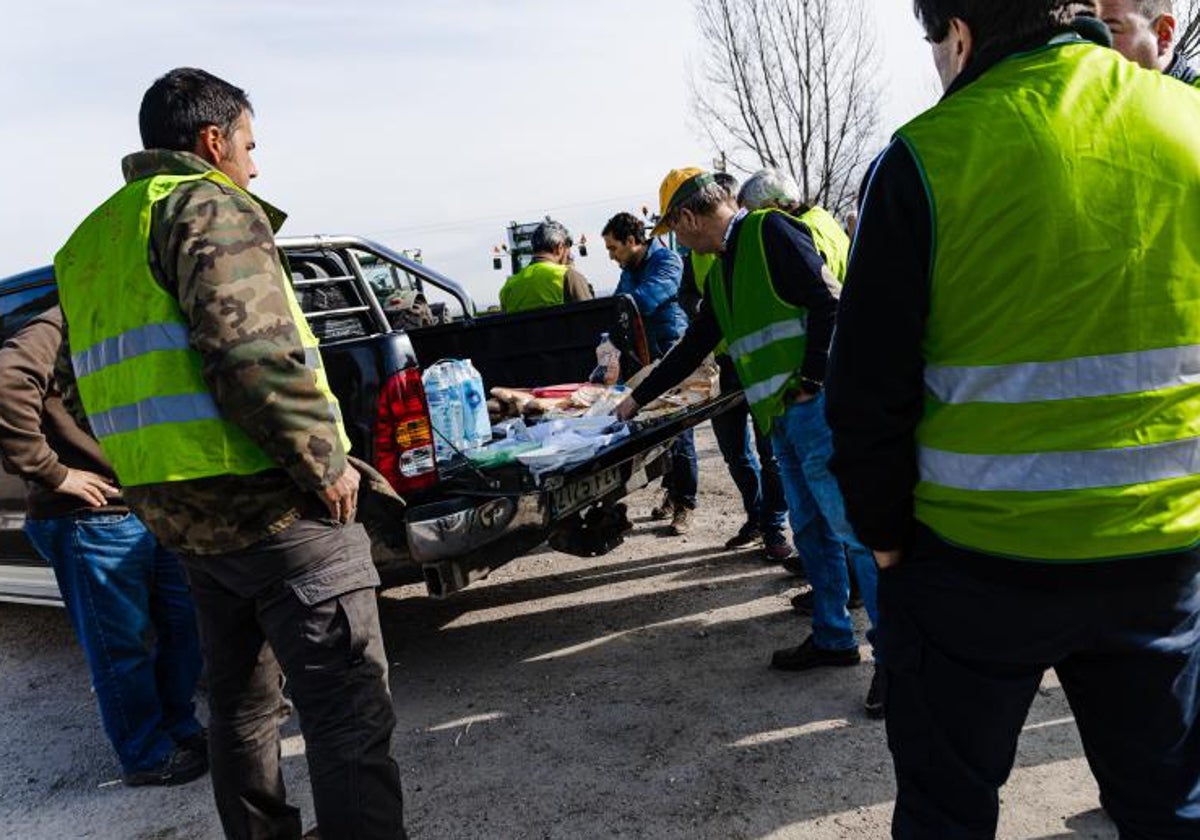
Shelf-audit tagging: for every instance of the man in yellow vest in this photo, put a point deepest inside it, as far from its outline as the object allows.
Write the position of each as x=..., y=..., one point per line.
x=774, y=189
x=773, y=301
x=203, y=383
x=1144, y=31
x=550, y=279
x=745, y=449
x=1014, y=404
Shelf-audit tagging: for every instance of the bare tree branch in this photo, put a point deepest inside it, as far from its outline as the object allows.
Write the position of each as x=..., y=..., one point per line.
x=1187, y=16
x=791, y=84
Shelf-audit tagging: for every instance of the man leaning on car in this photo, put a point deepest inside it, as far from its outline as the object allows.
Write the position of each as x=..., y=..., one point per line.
x=120, y=587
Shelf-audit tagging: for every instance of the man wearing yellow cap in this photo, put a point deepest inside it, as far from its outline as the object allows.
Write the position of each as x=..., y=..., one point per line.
x=772, y=299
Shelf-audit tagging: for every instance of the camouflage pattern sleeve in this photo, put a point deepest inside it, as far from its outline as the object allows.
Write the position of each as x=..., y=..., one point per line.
x=216, y=252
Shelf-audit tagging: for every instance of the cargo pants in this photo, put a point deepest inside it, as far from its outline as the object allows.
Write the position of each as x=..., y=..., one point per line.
x=299, y=605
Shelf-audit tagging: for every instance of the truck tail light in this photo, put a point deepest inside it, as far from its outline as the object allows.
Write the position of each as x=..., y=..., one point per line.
x=403, y=434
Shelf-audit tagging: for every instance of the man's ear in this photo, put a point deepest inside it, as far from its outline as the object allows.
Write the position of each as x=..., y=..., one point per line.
x=964, y=44
x=210, y=144
x=1164, y=30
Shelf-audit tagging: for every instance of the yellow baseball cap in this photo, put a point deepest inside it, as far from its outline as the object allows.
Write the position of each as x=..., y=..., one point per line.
x=678, y=187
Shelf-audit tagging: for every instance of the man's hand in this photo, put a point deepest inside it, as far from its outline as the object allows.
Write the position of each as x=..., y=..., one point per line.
x=341, y=497
x=887, y=559
x=626, y=409
x=91, y=488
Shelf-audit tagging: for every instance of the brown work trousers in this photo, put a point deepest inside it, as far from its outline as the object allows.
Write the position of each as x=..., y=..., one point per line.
x=299, y=605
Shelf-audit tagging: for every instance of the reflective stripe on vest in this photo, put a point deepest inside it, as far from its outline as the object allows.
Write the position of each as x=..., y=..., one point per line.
x=177, y=408
x=1042, y=472
x=131, y=344
x=1068, y=379
x=766, y=335
x=1062, y=418
x=139, y=379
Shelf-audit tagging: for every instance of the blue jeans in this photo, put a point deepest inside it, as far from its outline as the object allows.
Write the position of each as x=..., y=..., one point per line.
x=757, y=479
x=129, y=604
x=803, y=445
x=684, y=478
x=966, y=648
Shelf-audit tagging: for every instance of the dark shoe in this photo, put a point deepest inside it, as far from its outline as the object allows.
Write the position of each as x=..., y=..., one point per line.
x=777, y=552
x=794, y=565
x=807, y=655
x=178, y=767
x=665, y=509
x=876, y=694
x=748, y=534
x=802, y=601
x=681, y=522
x=313, y=833
x=197, y=743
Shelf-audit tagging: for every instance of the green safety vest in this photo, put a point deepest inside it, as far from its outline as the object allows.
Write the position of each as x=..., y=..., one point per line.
x=1062, y=347
x=765, y=334
x=139, y=379
x=701, y=265
x=831, y=240
x=538, y=285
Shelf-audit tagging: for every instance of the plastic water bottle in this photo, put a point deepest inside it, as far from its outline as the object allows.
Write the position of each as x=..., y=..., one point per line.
x=475, y=413
x=445, y=410
x=608, y=362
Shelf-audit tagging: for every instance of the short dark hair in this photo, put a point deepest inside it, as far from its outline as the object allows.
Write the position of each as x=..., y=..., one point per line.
x=185, y=101
x=993, y=22
x=625, y=226
x=549, y=235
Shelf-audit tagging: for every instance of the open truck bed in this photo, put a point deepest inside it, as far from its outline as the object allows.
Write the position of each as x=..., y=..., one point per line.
x=454, y=526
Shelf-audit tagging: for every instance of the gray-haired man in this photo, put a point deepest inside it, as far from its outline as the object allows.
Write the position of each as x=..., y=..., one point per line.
x=550, y=280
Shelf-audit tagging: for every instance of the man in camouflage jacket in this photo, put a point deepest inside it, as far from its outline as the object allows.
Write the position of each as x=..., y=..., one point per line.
x=281, y=574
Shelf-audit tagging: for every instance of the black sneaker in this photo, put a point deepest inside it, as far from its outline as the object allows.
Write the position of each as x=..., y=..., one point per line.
x=178, y=767
x=807, y=655
x=874, y=705
x=748, y=534
x=793, y=565
x=777, y=549
x=802, y=601
x=197, y=743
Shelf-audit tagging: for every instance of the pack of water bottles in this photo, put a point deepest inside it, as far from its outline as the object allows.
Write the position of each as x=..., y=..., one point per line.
x=457, y=408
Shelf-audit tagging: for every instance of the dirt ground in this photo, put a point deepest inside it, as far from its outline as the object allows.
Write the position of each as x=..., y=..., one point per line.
x=619, y=697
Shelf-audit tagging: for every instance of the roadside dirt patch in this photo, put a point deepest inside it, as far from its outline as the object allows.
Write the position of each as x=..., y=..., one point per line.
x=626, y=696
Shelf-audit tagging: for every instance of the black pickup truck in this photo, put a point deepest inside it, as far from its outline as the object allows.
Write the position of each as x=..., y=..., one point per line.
x=457, y=523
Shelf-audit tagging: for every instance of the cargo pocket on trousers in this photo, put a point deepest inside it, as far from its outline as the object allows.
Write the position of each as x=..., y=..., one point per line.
x=340, y=617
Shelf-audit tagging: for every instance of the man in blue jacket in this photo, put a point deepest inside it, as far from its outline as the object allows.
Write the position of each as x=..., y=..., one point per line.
x=651, y=274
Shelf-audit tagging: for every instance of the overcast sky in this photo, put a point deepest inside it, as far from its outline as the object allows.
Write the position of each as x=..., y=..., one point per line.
x=421, y=124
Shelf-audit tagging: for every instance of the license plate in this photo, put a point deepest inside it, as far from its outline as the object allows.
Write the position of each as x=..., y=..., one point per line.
x=584, y=491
